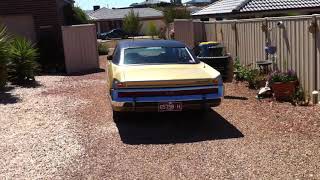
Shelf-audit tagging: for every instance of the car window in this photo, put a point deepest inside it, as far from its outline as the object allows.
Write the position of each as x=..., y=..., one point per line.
x=158, y=55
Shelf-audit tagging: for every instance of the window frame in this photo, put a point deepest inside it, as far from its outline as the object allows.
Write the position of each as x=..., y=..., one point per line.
x=116, y=57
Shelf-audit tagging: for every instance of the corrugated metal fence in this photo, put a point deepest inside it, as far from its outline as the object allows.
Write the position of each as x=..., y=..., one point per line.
x=184, y=32
x=298, y=46
x=80, y=48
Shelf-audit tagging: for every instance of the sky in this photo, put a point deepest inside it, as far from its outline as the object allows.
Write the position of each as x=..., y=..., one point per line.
x=88, y=4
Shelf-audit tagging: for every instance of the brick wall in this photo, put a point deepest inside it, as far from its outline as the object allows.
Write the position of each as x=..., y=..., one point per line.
x=44, y=12
x=48, y=19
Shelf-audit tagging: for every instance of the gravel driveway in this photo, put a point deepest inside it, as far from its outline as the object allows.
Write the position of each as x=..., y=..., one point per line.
x=63, y=129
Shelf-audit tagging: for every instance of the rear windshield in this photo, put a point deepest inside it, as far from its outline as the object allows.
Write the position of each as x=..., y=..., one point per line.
x=157, y=55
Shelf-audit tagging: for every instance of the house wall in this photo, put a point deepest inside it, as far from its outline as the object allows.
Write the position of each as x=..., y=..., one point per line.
x=47, y=20
x=60, y=11
x=21, y=25
x=44, y=12
x=107, y=25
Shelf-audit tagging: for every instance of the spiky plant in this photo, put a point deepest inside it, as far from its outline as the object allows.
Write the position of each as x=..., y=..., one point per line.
x=23, y=65
x=3, y=56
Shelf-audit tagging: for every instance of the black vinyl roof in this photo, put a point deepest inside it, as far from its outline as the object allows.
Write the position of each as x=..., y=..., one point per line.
x=149, y=43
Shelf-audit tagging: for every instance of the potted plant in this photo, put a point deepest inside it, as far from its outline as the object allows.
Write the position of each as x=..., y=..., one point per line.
x=283, y=84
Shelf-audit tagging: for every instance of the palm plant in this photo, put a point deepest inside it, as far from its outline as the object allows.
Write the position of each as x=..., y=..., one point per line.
x=22, y=66
x=3, y=55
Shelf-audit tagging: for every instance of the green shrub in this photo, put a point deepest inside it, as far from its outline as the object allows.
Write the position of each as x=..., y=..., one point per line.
x=22, y=66
x=152, y=29
x=172, y=13
x=299, y=97
x=131, y=23
x=3, y=56
x=251, y=77
x=103, y=49
x=240, y=70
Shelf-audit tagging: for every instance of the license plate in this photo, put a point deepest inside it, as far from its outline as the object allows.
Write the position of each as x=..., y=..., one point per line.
x=170, y=106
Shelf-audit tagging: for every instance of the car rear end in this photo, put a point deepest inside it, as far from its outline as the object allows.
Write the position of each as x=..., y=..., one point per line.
x=162, y=96
x=162, y=76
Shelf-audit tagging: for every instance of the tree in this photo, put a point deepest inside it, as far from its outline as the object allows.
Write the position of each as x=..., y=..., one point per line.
x=152, y=29
x=175, y=1
x=131, y=23
x=75, y=15
x=79, y=16
x=171, y=13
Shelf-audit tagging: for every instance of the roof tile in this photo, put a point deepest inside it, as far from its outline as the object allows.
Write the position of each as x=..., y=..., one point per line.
x=105, y=13
x=228, y=6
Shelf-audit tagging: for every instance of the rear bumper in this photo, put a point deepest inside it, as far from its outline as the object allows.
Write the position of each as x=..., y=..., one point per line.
x=153, y=106
x=189, y=102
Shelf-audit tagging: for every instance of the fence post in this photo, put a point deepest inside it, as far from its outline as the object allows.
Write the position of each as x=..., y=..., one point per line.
x=315, y=31
x=236, y=37
x=192, y=32
x=266, y=34
x=204, y=35
x=216, y=30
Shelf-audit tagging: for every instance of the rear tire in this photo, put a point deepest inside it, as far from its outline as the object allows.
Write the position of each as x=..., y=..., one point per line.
x=118, y=115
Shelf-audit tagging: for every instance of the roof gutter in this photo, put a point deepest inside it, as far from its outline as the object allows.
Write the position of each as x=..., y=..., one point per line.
x=271, y=12
x=69, y=1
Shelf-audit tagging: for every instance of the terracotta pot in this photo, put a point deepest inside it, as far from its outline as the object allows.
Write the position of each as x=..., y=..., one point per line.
x=284, y=90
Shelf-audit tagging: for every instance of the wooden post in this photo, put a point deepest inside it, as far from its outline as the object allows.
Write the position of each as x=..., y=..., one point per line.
x=315, y=38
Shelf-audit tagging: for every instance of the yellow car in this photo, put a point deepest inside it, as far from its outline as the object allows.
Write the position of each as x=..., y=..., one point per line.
x=160, y=75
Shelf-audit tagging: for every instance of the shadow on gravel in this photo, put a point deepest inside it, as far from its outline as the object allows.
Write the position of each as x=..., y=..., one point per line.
x=86, y=72
x=236, y=98
x=28, y=84
x=6, y=97
x=167, y=128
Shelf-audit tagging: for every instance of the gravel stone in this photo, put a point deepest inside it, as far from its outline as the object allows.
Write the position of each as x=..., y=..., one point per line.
x=63, y=129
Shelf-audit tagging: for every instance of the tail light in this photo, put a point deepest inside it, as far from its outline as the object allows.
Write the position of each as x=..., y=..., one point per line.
x=118, y=84
x=215, y=82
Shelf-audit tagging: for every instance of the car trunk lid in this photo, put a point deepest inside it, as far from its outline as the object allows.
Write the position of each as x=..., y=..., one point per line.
x=166, y=76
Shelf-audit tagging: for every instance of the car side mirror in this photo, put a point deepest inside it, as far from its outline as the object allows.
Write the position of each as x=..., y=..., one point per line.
x=109, y=57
